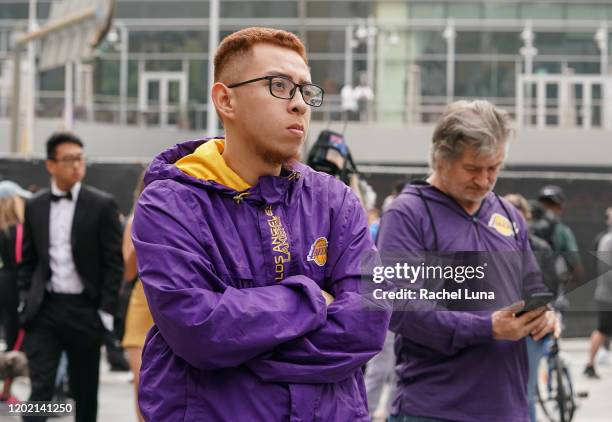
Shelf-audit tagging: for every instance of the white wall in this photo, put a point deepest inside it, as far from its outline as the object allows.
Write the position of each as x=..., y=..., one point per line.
x=368, y=142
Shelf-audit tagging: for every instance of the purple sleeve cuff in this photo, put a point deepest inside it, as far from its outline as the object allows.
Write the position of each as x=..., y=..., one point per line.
x=479, y=329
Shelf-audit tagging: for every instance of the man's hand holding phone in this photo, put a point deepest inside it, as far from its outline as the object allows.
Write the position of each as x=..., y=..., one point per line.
x=507, y=325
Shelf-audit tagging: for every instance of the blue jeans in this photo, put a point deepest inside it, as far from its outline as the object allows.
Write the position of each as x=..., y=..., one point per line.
x=380, y=370
x=535, y=351
x=407, y=418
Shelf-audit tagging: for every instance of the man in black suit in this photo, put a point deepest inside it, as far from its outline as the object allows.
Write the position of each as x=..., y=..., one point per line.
x=70, y=276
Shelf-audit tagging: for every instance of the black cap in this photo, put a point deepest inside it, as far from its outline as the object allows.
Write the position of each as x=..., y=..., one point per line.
x=553, y=194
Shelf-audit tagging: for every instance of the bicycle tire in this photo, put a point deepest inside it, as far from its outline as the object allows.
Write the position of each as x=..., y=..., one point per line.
x=559, y=405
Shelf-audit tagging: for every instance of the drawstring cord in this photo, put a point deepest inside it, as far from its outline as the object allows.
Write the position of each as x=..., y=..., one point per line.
x=294, y=176
x=240, y=197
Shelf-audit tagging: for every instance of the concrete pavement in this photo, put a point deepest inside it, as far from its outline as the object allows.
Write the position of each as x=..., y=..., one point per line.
x=116, y=390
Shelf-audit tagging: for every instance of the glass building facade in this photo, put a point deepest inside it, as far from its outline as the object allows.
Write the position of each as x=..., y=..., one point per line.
x=396, y=46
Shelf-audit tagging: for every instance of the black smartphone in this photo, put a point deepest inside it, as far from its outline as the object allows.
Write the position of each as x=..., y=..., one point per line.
x=535, y=301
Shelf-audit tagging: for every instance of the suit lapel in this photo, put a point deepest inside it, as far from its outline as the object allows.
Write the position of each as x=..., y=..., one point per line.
x=79, y=215
x=44, y=220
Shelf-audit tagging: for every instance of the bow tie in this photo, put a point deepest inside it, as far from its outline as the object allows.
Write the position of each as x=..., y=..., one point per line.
x=55, y=198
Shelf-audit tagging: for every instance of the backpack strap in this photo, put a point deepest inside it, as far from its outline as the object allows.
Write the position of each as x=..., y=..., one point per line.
x=19, y=244
x=431, y=219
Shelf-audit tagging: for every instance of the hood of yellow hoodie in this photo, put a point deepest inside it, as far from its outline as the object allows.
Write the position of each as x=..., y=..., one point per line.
x=207, y=163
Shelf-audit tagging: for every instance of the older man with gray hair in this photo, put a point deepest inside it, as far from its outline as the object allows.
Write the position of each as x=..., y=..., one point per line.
x=463, y=363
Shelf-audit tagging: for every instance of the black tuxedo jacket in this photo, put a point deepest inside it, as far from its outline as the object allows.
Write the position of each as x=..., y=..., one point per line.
x=96, y=250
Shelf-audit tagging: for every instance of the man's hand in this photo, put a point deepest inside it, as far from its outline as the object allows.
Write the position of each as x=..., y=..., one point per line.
x=107, y=320
x=328, y=298
x=548, y=325
x=506, y=326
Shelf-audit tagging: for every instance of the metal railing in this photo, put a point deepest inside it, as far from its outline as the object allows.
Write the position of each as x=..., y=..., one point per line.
x=564, y=100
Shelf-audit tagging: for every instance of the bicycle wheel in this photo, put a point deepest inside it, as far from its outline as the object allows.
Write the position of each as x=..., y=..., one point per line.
x=569, y=404
x=556, y=395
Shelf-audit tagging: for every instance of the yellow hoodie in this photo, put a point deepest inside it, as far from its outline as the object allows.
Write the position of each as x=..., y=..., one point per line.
x=206, y=163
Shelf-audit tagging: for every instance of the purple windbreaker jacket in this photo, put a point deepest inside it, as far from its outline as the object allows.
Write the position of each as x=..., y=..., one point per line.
x=449, y=366
x=234, y=280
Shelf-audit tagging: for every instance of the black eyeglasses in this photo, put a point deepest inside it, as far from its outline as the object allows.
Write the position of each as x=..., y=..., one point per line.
x=70, y=160
x=284, y=88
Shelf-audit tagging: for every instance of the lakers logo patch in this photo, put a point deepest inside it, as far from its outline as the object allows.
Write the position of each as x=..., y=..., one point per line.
x=501, y=224
x=318, y=252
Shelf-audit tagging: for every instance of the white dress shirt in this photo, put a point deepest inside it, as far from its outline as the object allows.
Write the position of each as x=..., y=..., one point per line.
x=64, y=276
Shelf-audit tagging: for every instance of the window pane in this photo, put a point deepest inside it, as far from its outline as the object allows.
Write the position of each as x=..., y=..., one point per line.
x=258, y=9
x=488, y=43
x=52, y=80
x=329, y=74
x=198, y=81
x=586, y=11
x=464, y=10
x=169, y=41
x=433, y=78
x=541, y=11
x=158, y=9
x=326, y=41
x=500, y=11
x=345, y=9
x=428, y=42
x=106, y=77
x=565, y=43
x=484, y=79
x=426, y=10
x=14, y=10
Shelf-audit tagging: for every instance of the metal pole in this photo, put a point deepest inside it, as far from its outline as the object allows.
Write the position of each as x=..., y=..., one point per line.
x=123, y=75
x=15, y=108
x=163, y=101
x=541, y=104
x=604, y=55
x=587, y=104
x=68, y=96
x=348, y=56
x=601, y=37
x=528, y=52
x=520, y=97
x=449, y=35
x=213, y=41
x=28, y=139
x=380, y=72
x=302, y=17
x=78, y=82
x=370, y=43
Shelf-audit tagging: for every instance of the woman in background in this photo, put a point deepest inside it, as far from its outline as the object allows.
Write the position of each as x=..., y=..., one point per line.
x=12, y=206
x=138, y=320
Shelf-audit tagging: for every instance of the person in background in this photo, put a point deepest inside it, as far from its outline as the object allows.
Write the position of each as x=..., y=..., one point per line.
x=397, y=189
x=545, y=257
x=12, y=204
x=373, y=222
x=138, y=320
x=465, y=362
x=69, y=278
x=603, y=297
x=563, y=241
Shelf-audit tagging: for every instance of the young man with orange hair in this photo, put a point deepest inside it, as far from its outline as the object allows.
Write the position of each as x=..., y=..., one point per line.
x=251, y=261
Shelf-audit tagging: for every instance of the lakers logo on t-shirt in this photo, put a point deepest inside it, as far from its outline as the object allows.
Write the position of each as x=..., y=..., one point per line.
x=318, y=252
x=501, y=224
